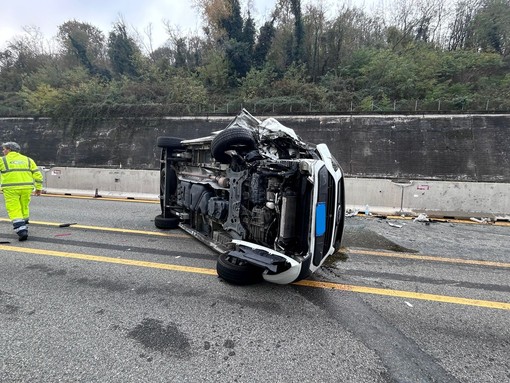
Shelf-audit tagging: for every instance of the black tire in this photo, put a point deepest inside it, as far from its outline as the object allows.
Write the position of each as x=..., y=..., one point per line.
x=171, y=143
x=166, y=223
x=236, y=271
x=231, y=138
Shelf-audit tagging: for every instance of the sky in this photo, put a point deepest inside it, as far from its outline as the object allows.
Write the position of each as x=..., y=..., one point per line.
x=138, y=15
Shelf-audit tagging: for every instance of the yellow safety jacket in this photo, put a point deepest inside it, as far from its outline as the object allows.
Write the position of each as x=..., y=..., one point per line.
x=19, y=172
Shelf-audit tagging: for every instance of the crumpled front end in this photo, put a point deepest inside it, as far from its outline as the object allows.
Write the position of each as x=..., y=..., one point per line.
x=279, y=268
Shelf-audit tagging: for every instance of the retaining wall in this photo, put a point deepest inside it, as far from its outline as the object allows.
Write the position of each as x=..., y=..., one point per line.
x=431, y=147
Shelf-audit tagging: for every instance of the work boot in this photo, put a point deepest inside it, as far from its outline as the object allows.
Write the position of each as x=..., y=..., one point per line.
x=23, y=235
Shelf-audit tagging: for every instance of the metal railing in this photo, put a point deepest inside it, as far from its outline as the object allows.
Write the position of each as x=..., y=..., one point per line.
x=278, y=107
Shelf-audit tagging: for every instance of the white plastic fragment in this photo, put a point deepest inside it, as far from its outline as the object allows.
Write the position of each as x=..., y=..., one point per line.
x=407, y=303
x=422, y=218
x=395, y=224
x=480, y=220
x=352, y=213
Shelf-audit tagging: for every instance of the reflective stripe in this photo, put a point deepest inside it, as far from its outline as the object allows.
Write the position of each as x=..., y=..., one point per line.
x=17, y=170
x=6, y=166
x=18, y=223
x=19, y=184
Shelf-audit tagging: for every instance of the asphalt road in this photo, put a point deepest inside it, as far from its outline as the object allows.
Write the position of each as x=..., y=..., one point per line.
x=113, y=299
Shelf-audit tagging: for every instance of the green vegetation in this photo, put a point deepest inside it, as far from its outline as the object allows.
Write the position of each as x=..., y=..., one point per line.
x=427, y=56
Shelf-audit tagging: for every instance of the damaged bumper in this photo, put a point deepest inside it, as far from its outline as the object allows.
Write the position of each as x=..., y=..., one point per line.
x=279, y=268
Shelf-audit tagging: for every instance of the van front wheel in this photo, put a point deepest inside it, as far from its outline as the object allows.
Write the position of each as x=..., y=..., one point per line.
x=236, y=271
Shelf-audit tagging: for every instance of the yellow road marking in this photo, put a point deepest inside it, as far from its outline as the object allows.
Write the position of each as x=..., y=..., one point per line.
x=113, y=229
x=117, y=199
x=351, y=251
x=307, y=283
x=429, y=258
x=120, y=261
x=407, y=294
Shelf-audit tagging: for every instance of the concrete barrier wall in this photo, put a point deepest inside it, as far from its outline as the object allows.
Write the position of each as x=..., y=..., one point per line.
x=104, y=182
x=435, y=198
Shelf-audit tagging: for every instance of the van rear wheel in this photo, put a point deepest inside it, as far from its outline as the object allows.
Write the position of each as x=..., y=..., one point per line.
x=171, y=143
x=166, y=223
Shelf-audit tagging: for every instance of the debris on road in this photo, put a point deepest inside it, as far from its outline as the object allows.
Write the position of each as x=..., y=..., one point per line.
x=395, y=224
x=67, y=224
x=352, y=213
x=480, y=220
x=422, y=218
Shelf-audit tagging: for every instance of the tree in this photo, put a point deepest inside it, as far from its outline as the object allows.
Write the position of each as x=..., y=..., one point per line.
x=263, y=45
x=419, y=20
x=28, y=51
x=183, y=51
x=239, y=56
x=249, y=32
x=214, y=13
x=123, y=52
x=186, y=89
x=231, y=21
x=401, y=75
x=214, y=72
x=258, y=83
x=461, y=27
x=299, y=32
x=43, y=100
x=82, y=43
x=491, y=27
x=315, y=24
x=10, y=79
x=339, y=39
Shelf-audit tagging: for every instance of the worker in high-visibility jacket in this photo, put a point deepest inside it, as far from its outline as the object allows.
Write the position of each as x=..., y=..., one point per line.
x=19, y=176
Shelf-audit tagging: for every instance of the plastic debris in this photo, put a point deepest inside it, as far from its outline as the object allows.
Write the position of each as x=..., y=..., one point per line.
x=395, y=224
x=480, y=220
x=67, y=224
x=367, y=210
x=422, y=218
x=409, y=304
x=353, y=213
